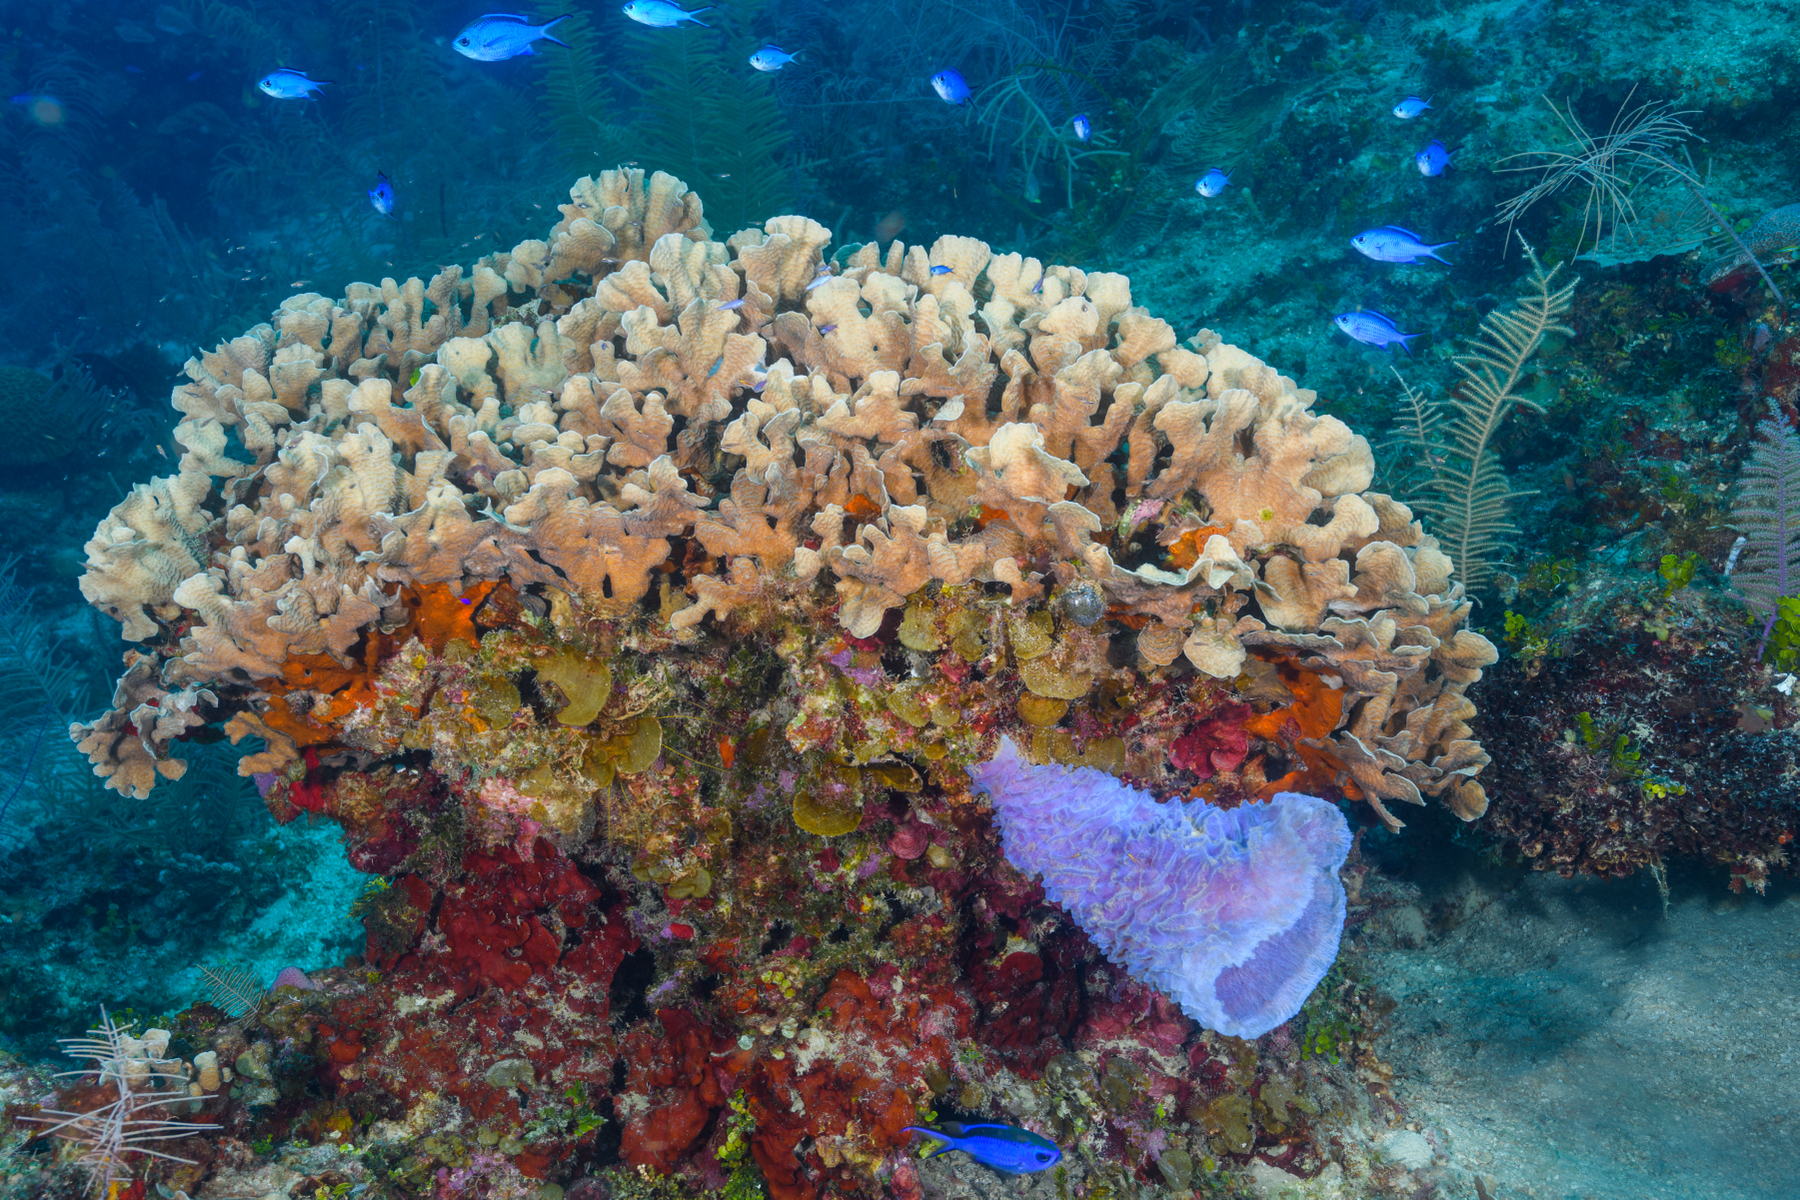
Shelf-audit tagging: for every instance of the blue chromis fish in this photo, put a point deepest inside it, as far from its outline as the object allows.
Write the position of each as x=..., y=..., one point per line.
x=290, y=85
x=660, y=14
x=1433, y=159
x=771, y=58
x=499, y=36
x=1392, y=244
x=1213, y=183
x=950, y=86
x=941, y=269
x=1411, y=107
x=1006, y=1148
x=1084, y=129
x=41, y=107
x=1374, y=329
x=382, y=195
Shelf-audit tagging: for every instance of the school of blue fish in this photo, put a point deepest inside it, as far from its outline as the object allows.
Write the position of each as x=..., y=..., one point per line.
x=495, y=37
x=1396, y=244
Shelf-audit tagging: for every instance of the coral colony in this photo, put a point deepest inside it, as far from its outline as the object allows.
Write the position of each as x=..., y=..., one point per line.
x=711, y=644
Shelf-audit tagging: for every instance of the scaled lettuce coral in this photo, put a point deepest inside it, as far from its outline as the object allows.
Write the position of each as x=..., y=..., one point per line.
x=585, y=415
x=1234, y=914
x=642, y=606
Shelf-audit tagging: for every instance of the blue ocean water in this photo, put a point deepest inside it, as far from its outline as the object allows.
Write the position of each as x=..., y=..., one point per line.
x=155, y=201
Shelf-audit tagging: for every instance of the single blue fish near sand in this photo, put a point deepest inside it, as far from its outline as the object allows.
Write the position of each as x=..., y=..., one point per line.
x=1393, y=244
x=730, y=305
x=940, y=269
x=1006, y=1148
x=1084, y=129
x=1374, y=329
x=290, y=85
x=382, y=196
x=825, y=329
x=771, y=58
x=1433, y=159
x=1213, y=183
x=660, y=14
x=500, y=36
x=950, y=86
x=1411, y=107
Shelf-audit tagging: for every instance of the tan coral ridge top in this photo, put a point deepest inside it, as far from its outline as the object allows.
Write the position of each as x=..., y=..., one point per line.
x=555, y=418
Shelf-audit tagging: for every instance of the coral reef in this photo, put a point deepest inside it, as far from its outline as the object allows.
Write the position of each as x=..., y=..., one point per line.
x=640, y=604
x=644, y=614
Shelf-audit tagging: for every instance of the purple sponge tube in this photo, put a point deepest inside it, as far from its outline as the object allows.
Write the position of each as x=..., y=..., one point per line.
x=1235, y=914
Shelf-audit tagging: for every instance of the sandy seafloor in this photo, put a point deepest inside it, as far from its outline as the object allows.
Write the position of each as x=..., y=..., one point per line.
x=1566, y=1039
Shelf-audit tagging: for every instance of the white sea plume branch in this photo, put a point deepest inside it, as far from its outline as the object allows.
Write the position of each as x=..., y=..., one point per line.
x=140, y=1085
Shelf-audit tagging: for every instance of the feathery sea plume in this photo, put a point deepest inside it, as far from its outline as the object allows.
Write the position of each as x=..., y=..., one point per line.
x=1644, y=149
x=1467, y=496
x=234, y=990
x=1767, y=513
x=123, y=1125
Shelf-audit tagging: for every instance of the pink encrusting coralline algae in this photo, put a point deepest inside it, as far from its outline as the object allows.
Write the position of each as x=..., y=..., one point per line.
x=1233, y=914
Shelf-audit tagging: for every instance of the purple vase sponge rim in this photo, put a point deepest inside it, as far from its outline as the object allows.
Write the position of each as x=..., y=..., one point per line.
x=1234, y=914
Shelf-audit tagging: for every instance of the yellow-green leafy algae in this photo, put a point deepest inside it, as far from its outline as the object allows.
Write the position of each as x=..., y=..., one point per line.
x=586, y=684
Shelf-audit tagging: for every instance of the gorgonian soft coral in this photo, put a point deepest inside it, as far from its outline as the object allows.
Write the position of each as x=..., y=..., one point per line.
x=1768, y=511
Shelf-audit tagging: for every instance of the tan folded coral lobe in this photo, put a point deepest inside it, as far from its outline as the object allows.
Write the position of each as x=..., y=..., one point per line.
x=583, y=415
